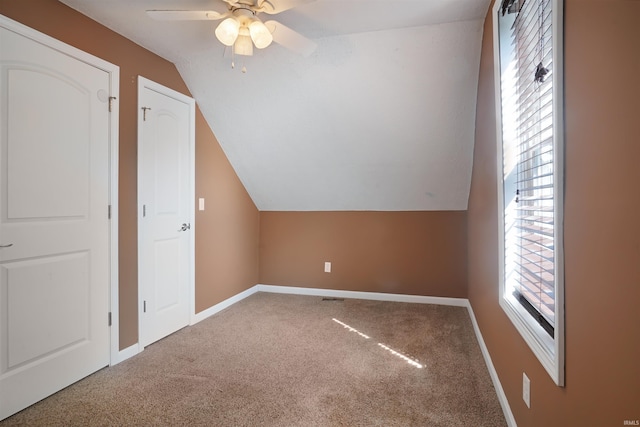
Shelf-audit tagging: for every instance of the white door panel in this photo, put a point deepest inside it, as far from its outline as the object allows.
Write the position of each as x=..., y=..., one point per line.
x=54, y=196
x=165, y=192
x=167, y=294
x=59, y=281
x=34, y=98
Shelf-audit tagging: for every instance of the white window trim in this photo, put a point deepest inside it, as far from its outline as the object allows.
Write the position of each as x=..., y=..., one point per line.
x=548, y=350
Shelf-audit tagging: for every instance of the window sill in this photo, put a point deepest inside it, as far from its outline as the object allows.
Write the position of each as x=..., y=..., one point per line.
x=546, y=348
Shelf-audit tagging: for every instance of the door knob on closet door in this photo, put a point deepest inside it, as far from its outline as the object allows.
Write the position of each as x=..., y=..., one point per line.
x=185, y=227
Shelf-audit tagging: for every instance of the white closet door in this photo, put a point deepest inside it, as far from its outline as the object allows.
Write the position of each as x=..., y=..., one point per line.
x=165, y=181
x=54, y=226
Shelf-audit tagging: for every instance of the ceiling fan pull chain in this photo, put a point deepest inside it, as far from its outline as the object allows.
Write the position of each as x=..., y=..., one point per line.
x=233, y=57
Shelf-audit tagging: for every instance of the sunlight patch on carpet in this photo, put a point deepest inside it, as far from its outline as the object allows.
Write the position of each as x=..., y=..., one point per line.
x=407, y=359
x=401, y=356
x=351, y=329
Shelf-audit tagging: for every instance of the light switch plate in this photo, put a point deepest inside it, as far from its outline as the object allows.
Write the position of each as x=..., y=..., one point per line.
x=327, y=267
x=201, y=203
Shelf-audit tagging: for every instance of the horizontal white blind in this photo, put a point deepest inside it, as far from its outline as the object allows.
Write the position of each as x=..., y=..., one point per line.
x=529, y=227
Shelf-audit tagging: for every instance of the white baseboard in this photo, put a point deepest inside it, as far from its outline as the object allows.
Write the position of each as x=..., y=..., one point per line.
x=376, y=296
x=199, y=317
x=502, y=397
x=123, y=355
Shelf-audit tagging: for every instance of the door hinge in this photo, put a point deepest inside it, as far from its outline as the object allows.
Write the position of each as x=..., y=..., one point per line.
x=111, y=99
x=144, y=306
x=109, y=212
x=144, y=211
x=109, y=318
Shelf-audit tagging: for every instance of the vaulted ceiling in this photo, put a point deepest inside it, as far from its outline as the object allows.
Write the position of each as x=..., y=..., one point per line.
x=380, y=116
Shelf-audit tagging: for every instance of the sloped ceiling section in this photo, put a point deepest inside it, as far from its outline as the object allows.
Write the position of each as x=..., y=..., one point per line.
x=380, y=117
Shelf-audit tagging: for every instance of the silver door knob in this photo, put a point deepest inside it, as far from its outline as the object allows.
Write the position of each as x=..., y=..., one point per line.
x=185, y=227
x=6, y=246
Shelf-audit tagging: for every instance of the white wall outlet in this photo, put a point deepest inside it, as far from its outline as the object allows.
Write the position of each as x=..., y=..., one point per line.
x=201, y=203
x=327, y=267
x=526, y=390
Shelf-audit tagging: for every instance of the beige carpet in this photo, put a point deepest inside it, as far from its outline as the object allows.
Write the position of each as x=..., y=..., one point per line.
x=282, y=360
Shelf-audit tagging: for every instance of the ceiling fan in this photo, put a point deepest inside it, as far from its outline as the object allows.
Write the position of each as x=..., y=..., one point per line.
x=241, y=28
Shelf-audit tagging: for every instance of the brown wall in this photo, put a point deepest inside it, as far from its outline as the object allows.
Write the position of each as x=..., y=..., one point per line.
x=418, y=253
x=227, y=232
x=602, y=227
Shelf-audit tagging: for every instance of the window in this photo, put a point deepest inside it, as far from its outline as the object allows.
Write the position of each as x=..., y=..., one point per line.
x=528, y=67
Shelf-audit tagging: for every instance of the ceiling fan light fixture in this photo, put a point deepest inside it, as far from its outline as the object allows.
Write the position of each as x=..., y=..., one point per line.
x=260, y=34
x=228, y=30
x=243, y=44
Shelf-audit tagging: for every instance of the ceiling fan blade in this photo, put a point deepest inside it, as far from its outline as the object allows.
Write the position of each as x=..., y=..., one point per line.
x=276, y=6
x=185, y=15
x=290, y=39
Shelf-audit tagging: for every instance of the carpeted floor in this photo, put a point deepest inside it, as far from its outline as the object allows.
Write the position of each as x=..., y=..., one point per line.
x=289, y=360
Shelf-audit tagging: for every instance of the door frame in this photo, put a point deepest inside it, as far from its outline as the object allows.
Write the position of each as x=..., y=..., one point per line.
x=145, y=83
x=114, y=85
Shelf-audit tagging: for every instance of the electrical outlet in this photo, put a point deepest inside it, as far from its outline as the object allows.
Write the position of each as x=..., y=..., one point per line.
x=526, y=390
x=327, y=267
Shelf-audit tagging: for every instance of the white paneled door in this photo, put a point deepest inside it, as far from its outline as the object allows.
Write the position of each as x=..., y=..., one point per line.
x=54, y=223
x=165, y=215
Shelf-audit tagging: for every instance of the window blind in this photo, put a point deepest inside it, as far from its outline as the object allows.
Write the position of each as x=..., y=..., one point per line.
x=529, y=220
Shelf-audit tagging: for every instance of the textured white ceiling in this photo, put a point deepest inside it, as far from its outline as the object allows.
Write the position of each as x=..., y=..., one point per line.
x=380, y=117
